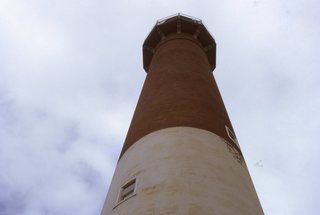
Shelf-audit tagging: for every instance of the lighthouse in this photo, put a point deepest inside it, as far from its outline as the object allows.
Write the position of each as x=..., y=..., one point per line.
x=181, y=155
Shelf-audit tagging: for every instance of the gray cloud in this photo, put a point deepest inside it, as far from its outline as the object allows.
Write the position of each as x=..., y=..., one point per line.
x=71, y=73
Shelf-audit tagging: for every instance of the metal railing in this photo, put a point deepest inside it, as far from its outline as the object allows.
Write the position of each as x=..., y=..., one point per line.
x=179, y=15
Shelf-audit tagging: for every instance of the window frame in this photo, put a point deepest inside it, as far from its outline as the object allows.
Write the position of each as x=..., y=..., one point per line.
x=232, y=136
x=125, y=194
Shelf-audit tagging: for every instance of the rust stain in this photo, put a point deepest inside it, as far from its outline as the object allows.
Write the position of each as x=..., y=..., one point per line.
x=151, y=190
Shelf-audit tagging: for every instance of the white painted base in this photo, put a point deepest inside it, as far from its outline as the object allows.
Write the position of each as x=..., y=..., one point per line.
x=186, y=171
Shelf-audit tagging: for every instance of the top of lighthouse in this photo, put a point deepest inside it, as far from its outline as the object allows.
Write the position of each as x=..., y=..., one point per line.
x=179, y=24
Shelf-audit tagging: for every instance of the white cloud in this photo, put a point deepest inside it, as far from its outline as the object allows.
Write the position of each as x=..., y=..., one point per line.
x=71, y=73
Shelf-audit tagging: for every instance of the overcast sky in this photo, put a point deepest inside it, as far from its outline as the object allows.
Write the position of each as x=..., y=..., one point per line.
x=71, y=73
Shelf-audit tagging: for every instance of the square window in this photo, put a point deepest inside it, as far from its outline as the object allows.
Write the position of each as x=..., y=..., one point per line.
x=232, y=136
x=127, y=190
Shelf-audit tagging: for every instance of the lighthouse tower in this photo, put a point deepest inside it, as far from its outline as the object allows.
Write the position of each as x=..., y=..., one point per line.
x=181, y=155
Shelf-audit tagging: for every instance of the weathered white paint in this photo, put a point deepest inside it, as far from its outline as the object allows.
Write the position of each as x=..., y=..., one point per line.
x=183, y=170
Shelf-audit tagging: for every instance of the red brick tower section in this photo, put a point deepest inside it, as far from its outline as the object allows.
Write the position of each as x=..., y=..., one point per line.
x=181, y=155
x=179, y=56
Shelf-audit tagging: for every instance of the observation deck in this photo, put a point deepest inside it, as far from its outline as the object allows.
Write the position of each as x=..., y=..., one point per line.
x=179, y=24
